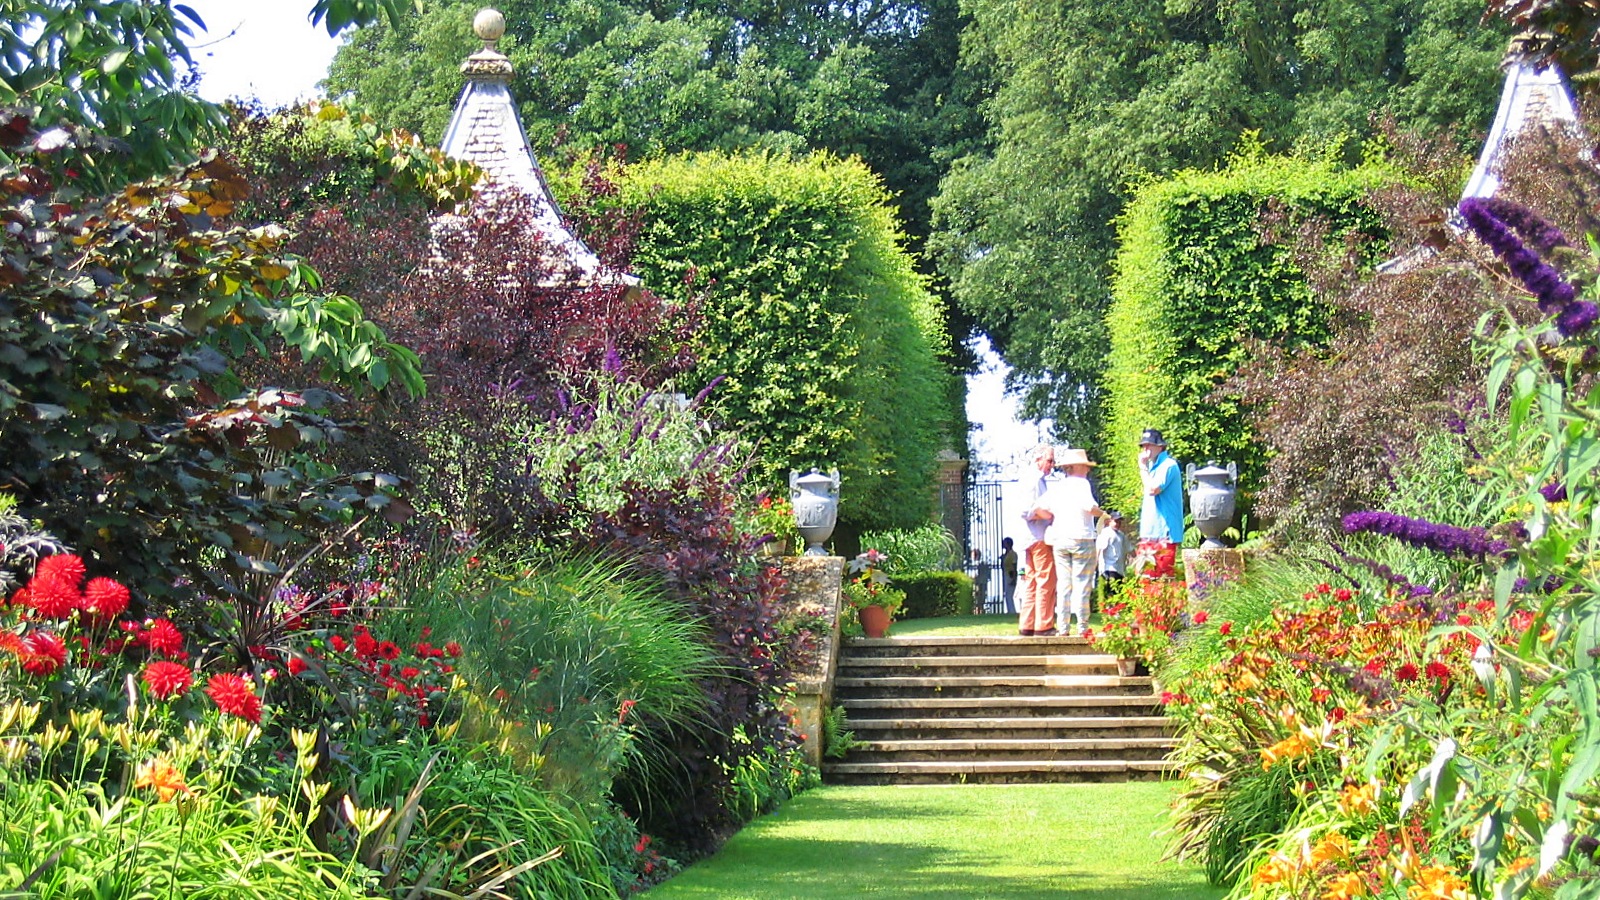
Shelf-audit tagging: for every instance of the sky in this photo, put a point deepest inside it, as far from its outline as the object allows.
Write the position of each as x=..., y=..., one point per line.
x=271, y=51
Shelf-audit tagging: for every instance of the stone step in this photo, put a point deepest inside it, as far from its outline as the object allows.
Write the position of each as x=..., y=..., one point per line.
x=1010, y=686
x=997, y=727
x=991, y=706
x=996, y=750
x=1020, y=771
x=942, y=666
x=998, y=645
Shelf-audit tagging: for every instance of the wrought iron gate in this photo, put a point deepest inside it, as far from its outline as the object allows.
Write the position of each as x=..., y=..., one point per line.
x=986, y=526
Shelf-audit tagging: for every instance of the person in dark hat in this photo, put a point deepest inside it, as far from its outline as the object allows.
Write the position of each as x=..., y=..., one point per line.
x=1161, y=511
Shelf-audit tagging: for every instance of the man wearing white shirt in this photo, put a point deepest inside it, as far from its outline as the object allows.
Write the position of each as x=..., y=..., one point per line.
x=1036, y=600
x=1073, y=511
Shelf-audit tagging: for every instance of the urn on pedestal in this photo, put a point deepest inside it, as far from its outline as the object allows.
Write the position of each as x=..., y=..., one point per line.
x=816, y=507
x=1211, y=499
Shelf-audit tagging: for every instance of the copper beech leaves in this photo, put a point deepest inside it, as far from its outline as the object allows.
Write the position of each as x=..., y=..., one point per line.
x=122, y=321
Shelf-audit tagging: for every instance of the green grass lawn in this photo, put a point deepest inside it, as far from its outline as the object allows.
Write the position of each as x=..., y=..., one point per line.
x=969, y=842
x=963, y=626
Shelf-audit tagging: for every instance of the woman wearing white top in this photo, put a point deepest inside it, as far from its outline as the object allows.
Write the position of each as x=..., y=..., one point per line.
x=1073, y=511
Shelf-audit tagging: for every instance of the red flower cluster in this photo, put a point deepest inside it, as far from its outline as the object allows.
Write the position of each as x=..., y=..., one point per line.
x=235, y=696
x=57, y=591
x=52, y=604
x=417, y=679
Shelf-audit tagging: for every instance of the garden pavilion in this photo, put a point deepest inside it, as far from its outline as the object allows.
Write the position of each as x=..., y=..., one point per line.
x=486, y=131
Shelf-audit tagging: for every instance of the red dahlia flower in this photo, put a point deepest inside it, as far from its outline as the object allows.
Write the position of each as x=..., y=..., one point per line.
x=1437, y=670
x=53, y=597
x=168, y=680
x=163, y=637
x=1407, y=672
x=105, y=597
x=234, y=695
x=296, y=665
x=43, y=653
x=67, y=567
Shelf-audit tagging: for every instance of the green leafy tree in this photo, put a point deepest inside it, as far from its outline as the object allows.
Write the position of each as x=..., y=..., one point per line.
x=1091, y=97
x=877, y=79
x=124, y=70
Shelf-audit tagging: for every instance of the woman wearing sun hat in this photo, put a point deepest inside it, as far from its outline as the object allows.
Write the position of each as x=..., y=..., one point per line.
x=1071, y=534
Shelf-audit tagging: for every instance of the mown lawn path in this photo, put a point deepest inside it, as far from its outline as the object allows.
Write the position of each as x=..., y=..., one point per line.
x=1071, y=841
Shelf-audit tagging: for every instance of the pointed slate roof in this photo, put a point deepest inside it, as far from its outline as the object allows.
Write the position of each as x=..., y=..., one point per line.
x=486, y=130
x=1532, y=98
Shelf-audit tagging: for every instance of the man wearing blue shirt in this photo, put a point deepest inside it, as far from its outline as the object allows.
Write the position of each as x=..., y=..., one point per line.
x=1161, y=511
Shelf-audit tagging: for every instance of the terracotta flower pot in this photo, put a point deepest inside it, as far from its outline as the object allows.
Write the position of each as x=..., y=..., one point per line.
x=874, y=621
x=1127, y=666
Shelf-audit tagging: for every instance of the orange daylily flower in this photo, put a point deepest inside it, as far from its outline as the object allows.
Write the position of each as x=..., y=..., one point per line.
x=1346, y=887
x=160, y=775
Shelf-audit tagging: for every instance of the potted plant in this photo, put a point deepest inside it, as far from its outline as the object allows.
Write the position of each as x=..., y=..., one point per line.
x=1139, y=626
x=774, y=518
x=867, y=594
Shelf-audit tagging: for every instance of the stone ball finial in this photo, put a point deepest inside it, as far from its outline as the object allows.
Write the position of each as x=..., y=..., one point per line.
x=489, y=25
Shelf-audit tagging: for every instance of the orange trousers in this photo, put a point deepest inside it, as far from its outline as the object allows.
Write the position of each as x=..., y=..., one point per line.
x=1036, y=608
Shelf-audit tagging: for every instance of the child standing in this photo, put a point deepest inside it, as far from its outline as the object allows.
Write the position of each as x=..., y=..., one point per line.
x=1111, y=555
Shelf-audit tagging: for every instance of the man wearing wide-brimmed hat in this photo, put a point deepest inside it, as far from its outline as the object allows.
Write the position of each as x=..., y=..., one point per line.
x=1161, y=511
x=1073, y=511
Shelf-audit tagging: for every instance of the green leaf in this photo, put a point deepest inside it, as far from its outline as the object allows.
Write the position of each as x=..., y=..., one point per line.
x=114, y=60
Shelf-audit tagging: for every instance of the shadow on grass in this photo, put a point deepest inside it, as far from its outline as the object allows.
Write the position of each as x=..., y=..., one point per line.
x=783, y=869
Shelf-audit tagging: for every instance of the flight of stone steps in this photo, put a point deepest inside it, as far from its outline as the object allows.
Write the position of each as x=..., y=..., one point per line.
x=994, y=710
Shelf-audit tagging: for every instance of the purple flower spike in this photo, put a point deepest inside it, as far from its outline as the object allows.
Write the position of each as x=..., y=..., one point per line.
x=1554, y=492
x=1446, y=539
x=1543, y=236
x=1577, y=318
x=1492, y=221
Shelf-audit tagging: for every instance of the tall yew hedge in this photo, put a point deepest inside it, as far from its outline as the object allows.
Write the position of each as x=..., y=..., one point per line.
x=827, y=340
x=1209, y=262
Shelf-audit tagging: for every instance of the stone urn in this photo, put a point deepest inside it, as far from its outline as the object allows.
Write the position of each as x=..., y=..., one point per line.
x=816, y=507
x=1211, y=500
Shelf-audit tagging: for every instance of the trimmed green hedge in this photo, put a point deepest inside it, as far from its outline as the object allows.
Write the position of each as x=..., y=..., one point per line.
x=933, y=594
x=827, y=337
x=1206, y=260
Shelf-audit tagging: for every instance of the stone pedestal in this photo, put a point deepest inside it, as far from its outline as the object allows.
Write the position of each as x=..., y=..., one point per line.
x=811, y=600
x=1204, y=569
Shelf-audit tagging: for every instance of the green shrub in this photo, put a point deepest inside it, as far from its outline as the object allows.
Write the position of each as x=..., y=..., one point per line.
x=827, y=338
x=925, y=548
x=1207, y=262
x=932, y=594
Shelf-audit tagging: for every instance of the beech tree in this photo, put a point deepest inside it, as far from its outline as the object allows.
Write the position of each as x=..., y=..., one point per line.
x=1090, y=97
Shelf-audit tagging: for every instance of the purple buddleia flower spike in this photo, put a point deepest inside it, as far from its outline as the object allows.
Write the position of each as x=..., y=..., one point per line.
x=1577, y=318
x=1556, y=296
x=1554, y=492
x=1446, y=539
x=1541, y=235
